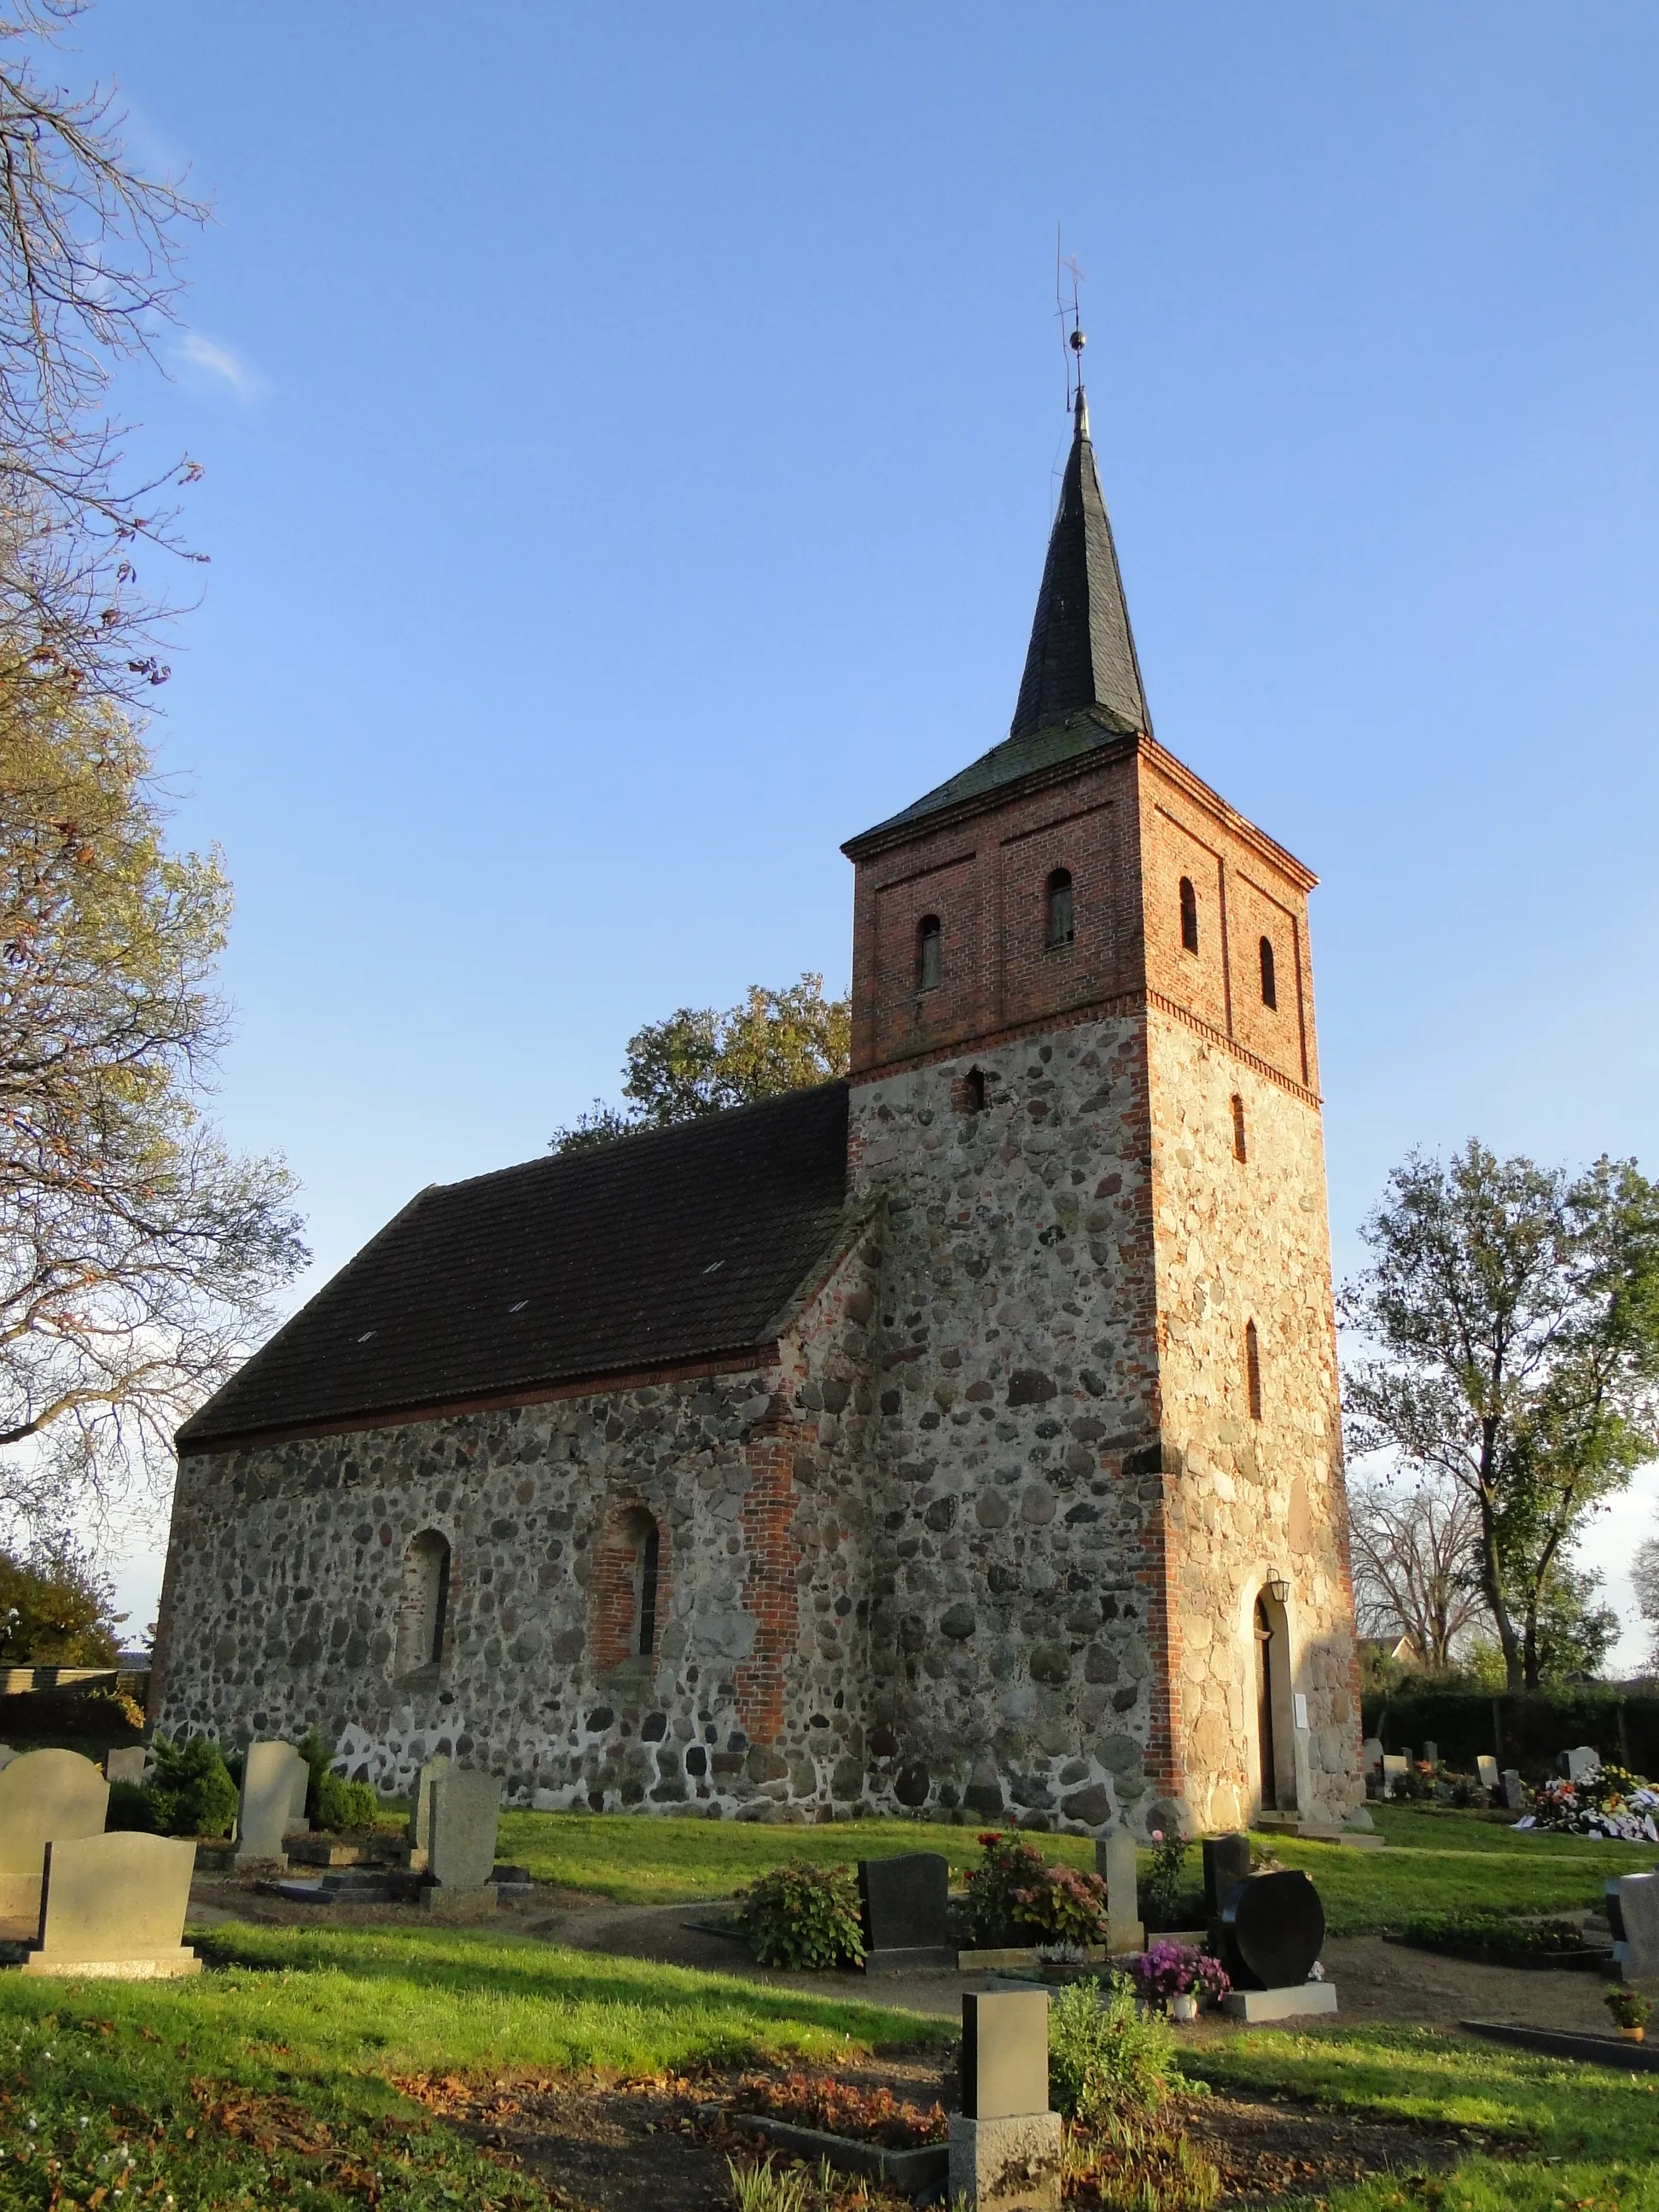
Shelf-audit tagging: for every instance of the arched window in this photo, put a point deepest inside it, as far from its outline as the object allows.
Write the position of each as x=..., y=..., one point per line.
x=927, y=950
x=1252, y=1370
x=1188, y=915
x=645, y=1642
x=423, y=1615
x=1063, y=925
x=1269, y=986
x=1240, y=1150
x=974, y=1090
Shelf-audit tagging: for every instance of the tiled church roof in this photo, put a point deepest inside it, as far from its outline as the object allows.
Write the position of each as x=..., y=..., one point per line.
x=678, y=1244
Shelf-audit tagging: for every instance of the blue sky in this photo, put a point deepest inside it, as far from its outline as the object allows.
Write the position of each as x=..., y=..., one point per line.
x=630, y=436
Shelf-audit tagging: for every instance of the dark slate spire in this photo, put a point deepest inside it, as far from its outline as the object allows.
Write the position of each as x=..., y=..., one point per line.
x=1082, y=653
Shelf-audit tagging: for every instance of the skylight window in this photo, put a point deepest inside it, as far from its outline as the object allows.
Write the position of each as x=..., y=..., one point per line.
x=364, y=1338
x=520, y=1306
x=713, y=1267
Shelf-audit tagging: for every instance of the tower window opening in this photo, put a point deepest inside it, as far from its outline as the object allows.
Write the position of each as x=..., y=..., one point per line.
x=424, y=1616
x=1188, y=915
x=1252, y=1369
x=927, y=953
x=1269, y=986
x=973, y=1090
x=650, y=1553
x=1062, y=922
x=1240, y=1150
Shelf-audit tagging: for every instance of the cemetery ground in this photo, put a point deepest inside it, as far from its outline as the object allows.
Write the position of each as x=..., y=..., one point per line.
x=551, y=2060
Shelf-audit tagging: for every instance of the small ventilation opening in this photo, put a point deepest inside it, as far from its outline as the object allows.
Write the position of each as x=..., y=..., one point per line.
x=1240, y=1150
x=649, y=1555
x=1062, y=923
x=1188, y=915
x=1252, y=1370
x=1269, y=984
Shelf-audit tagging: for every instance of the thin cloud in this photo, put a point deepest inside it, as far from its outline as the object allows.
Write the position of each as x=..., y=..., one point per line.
x=197, y=352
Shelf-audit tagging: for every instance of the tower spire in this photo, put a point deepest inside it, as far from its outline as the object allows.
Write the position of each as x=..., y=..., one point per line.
x=1082, y=654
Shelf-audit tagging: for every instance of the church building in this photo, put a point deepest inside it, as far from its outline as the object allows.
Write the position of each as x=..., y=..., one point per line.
x=961, y=1438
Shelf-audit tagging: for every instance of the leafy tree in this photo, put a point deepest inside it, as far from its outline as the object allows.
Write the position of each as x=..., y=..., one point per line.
x=1416, y=1565
x=699, y=1062
x=137, y=1254
x=1514, y=1314
x=56, y=1610
x=1644, y=1580
x=88, y=277
x=1574, y=1636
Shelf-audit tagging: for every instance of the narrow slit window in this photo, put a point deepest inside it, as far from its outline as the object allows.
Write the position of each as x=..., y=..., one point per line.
x=974, y=1090
x=1269, y=986
x=423, y=1615
x=1188, y=915
x=1240, y=1152
x=1062, y=924
x=927, y=953
x=650, y=1553
x=1252, y=1369
x=440, y=1609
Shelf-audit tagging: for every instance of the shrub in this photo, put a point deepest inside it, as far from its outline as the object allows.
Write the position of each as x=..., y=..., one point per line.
x=129, y=1807
x=342, y=1804
x=803, y=1916
x=191, y=1793
x=1494, y=1930
x=1629, y=2008
x=1105, y=2056
x=1161, y=1891
x=1138, y=2162
x=1014, y=1897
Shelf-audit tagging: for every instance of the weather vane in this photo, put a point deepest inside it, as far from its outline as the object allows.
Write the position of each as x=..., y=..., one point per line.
x=1072, y=341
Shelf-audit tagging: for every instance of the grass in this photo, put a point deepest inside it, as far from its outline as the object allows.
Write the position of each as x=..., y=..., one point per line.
x=271, y=2079
x=1575, y=2139
x=1434, y=1862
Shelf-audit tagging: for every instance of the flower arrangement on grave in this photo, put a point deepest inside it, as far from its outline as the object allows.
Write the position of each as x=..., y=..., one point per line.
x=803, y=1916
x=1612, y=1803
x=1178, y=1970
x=1631, y=2011
x=841, y=2108
x=1014, y=1896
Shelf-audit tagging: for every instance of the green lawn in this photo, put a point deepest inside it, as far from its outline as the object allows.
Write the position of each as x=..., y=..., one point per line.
x=1572, y=2138
x=268, y=2081
x=1433, y=1862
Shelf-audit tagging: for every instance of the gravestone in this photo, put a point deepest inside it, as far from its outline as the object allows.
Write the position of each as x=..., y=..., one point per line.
x=904, y=1910
x=1486, y=1767
x=1633, y=1916
x=274, y=1779
x=125, y=1766
x=46, y=1796
x=1395, y=1763
x=1226, y=1863
x=466, y=1808
x=112, y=1907
x=1431, y=1751
x=1371, y=1755
x=1005, y=2144
x=1514, y=1790
x=1582, y=1764
x=1115, y=1862
x=420, y=1811
x=7, y=1755
x=1272, y=1930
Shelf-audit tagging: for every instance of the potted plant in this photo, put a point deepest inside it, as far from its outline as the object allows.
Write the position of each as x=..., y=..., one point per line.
x=1630, y=2011
x=1178, y=1977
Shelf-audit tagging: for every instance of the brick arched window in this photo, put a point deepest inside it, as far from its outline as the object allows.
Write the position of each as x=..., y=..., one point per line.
x=1188, y=915
x=1269, y=986
x=423, y=1612
x=1062, y=920
x=1252, y=1370
x=927, y=953
x=1241, y=1150
x=629, y=1587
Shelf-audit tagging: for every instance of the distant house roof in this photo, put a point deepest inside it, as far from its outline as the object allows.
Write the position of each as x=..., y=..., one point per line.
x=675, y=1245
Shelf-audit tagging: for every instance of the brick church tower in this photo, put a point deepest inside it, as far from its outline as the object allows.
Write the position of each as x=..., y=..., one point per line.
x=1109, y=1560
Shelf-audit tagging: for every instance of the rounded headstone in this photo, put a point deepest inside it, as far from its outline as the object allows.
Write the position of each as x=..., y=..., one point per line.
x=1275, y=1925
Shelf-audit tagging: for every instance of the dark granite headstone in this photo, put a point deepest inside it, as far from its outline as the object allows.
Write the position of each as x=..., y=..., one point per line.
x=903, y=1904
x=1226, y=1863
x=1272, y=1931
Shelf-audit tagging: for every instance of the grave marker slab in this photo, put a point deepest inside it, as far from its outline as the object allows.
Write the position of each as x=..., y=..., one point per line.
x=1371, y=1755
x=113, y=1907
x=1115, y=1861
x=1271, y=1929
x=1005, y=2144
x=1634, y=1912
x=1431, y=1751
x=1226, y=1863
x=46, y=1796
x=1486, y=1767
x=273, y=1776
x=1582, y=1764
x=124, y=1765
x=904, y=1909
x=465, y=1813
x=420, y=1811
x=1515, y=1789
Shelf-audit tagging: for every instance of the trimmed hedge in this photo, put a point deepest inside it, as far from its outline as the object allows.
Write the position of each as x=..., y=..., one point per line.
x=1525, y=1731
